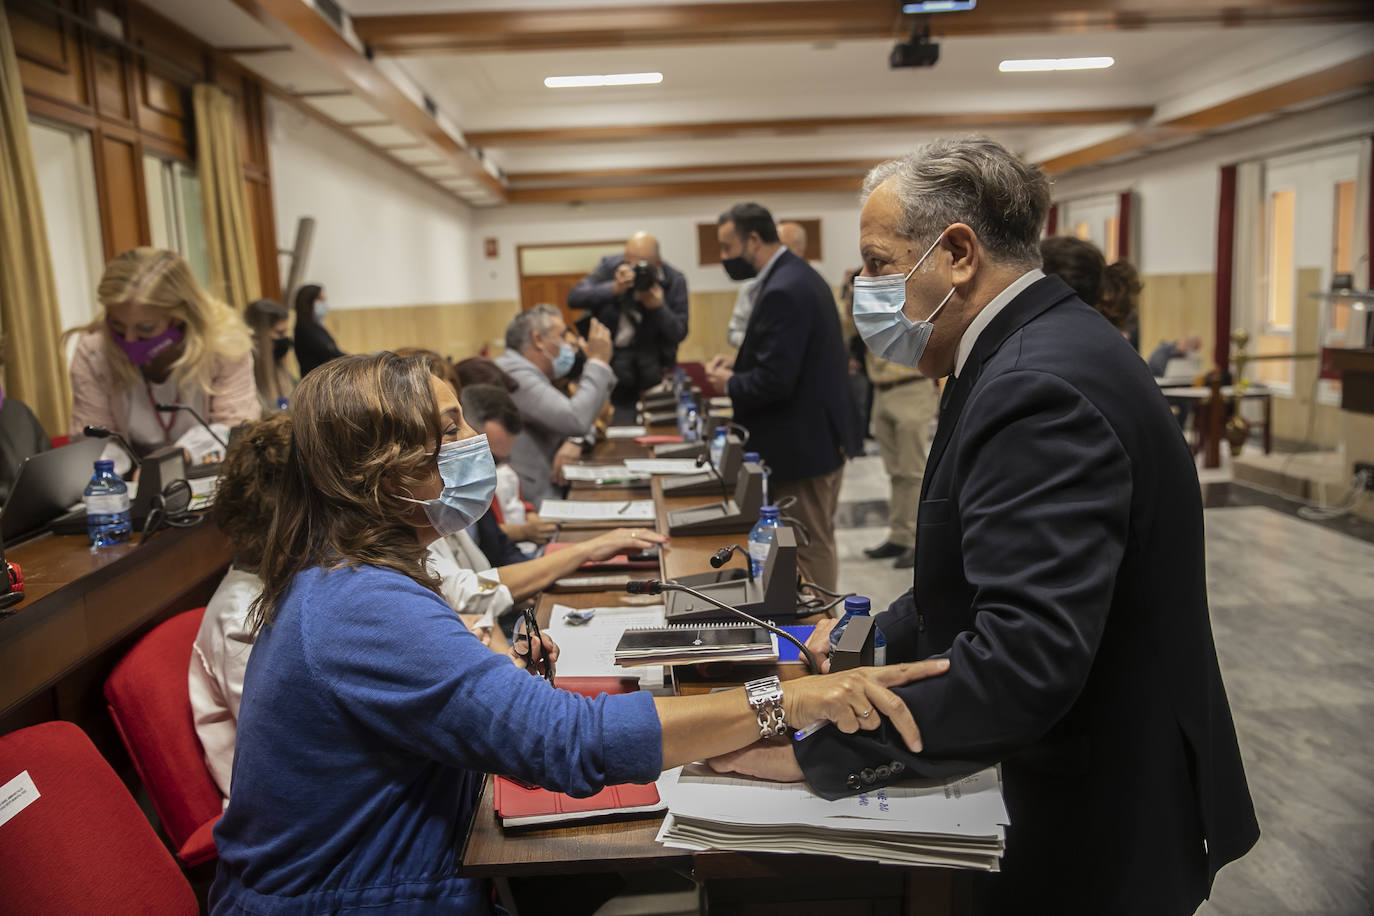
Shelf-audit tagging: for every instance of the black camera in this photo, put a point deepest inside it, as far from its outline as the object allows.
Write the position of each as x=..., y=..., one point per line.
x=646, y=275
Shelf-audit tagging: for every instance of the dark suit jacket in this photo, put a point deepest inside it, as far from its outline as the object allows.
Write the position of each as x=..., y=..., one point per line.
x=1060, y=567
x=642, y=364
x=791, y=383
x=314, y=346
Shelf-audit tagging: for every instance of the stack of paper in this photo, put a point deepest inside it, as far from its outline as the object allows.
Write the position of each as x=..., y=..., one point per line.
x=588, y=649
x=663, y=466
x=624, y=432
x=955, y=824
x=604, y=474
x=574, y=512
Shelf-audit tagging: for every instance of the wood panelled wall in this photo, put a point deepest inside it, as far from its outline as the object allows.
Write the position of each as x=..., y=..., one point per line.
x=133, y=103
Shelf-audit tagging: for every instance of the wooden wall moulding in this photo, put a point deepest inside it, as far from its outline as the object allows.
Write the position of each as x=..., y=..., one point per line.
x=134, y=96
x=708, y=245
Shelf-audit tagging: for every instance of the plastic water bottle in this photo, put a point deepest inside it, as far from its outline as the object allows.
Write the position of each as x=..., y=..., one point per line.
x=107, y=506
x=761, y=537
x=693, y=431
x=683, y=400
x=859, y=606
x=718, y=446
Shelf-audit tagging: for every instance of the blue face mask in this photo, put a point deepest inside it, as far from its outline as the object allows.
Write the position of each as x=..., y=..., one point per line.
x=878, y=304
x=563, y=362
x=321, y=309
x=469, y=475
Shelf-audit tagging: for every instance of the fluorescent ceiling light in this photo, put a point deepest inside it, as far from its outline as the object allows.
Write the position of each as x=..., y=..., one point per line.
x=939, y=6
x=1056, y=63
x=603, y=79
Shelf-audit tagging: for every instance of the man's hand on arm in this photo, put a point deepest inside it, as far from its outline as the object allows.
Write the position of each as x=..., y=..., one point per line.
x=599, y=344
x=719, y=371
x=771, y=760
x=568, y=453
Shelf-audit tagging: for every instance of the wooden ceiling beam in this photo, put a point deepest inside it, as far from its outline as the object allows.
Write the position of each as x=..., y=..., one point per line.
x=299, y=24
x=854, y=166
x=818, y=20
x=744, y=187
x=1356, y=74
x=698, y=129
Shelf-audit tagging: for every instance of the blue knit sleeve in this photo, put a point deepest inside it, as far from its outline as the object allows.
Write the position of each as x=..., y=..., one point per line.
x=405, y=668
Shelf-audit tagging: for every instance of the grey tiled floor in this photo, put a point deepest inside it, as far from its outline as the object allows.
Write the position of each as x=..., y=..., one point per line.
x=1293, y=613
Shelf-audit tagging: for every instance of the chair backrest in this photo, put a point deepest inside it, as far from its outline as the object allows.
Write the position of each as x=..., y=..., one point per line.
x=150, y=703
x=697, y=373
x=83, y=846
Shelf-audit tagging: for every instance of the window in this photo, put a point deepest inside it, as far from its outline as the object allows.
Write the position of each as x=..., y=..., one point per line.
x=1282, y=207
x=174, y=212
x=1342, y=252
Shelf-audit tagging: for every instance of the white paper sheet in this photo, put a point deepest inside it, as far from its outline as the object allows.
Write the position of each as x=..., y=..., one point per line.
x=580, y=510
x=588, y=650
x=625, y=432
x=664, y=466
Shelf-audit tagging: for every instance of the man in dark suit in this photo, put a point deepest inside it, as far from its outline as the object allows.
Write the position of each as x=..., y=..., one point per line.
x=1059, y=564
x=643, y=300
x=790, y=380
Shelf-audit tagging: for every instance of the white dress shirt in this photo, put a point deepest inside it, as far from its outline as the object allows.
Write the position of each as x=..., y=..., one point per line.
x=989, y=312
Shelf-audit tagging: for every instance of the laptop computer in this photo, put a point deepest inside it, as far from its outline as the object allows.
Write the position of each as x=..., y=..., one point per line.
x=159, y=469
x=47, y=486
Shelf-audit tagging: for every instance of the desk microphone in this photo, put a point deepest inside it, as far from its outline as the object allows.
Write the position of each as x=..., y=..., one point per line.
x=658, y=587
x=100, y=432
x=722, y=556
x=704, y=461
x=171, y=408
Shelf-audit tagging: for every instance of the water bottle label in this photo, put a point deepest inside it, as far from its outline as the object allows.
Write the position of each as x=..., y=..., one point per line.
x=758, y=552
x=107, y=504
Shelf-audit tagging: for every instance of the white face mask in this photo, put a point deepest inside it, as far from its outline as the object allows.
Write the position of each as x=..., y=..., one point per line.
x=469, y=478
x=878, y=304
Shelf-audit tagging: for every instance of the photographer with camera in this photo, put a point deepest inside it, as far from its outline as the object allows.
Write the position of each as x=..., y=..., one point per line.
x=644, y=303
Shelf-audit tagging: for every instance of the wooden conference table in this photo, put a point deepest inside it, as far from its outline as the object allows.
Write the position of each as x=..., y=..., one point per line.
x=732, y=881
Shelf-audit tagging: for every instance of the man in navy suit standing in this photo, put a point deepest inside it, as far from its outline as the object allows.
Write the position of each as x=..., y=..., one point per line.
x=790, y=380
x=1059, y=564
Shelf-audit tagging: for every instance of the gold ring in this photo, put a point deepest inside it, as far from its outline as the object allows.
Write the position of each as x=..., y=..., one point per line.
x=866, y=713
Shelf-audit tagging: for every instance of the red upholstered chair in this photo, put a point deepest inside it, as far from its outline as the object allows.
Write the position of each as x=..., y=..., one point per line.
x=697, y=373
x=151, y=706
x=59, y=441
x=83, y=846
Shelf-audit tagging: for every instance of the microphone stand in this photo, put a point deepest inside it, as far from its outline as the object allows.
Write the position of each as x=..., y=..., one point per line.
x=169, y=408
x=100, y=432
x=658, y=587
x=704, y=461
x=719, y=558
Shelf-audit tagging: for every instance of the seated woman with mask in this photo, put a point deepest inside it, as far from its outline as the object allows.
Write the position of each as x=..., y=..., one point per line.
x=269, y=322
x=370, y=712
x=161, y=339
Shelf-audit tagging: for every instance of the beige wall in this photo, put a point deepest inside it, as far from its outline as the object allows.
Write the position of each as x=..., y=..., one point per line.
x=453, y=330
x=1173, y=306
x=1293, y=414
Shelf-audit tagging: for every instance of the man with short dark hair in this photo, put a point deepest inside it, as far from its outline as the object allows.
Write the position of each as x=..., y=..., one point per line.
x=1059, y=564
x=789, y=383
x=643, y=300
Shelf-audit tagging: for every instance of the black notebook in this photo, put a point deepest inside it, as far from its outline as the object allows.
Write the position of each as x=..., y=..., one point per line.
x=695, y=643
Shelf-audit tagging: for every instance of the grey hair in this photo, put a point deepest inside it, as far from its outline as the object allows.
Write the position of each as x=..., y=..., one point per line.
x=975, y=181
x=522, y=328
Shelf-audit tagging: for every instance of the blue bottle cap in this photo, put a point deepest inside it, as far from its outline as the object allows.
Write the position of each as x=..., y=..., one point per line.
x=768, y=512
x=104, y=464
x=857, y=604
x=751, y=457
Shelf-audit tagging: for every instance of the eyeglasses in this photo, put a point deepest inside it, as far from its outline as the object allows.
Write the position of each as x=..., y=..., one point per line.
x=527, y=629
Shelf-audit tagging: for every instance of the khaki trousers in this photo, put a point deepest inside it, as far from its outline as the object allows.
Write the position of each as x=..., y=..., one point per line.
x=902, y=418
x=817, y=499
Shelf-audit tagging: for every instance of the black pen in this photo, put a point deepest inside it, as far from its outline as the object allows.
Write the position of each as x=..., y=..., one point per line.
x=623, y=509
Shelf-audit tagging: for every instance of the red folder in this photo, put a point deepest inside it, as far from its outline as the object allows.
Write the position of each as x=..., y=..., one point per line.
x=657, y=440
x=519, y=806
x=618, y=562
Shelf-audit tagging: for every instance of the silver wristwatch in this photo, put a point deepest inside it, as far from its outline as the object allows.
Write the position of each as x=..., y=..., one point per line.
x=765, y=696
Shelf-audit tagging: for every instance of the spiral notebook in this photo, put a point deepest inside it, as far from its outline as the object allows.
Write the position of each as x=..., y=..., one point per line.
x=696, y=643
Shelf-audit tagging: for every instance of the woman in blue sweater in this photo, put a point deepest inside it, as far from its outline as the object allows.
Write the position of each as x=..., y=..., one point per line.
x=370, y=712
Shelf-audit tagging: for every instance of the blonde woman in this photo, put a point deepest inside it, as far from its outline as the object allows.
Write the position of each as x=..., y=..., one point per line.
x=161, y=339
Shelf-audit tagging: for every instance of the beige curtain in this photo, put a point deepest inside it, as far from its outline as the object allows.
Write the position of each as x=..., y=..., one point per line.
x=228, y=235
x=29, y=314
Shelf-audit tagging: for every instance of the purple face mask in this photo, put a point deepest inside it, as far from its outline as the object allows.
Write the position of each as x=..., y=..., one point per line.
x=142, y=352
